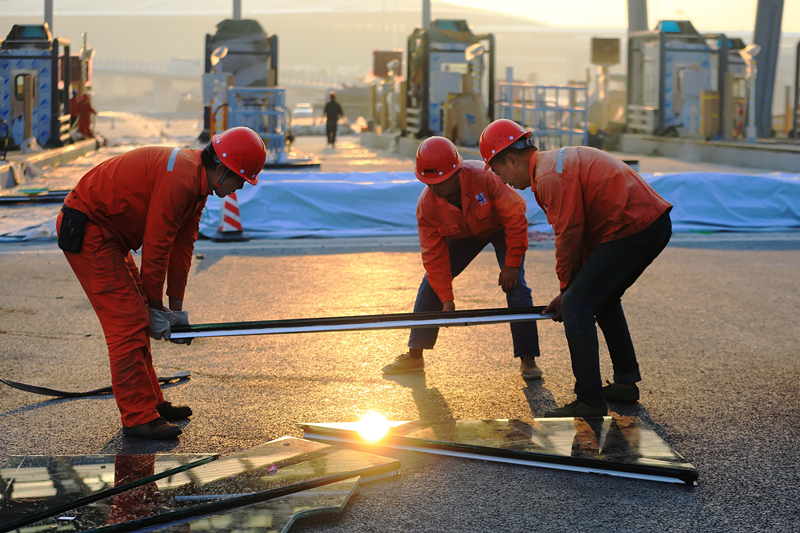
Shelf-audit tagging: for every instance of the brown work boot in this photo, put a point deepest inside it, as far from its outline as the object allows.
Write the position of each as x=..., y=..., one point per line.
x=155, y=429
x=528, y=368
x=174, y=412
x=404, y=364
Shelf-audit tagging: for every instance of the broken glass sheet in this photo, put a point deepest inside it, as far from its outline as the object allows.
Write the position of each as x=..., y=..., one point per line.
x=618, y=445
x=284, y=466
x=276, y=515
x=34, y=487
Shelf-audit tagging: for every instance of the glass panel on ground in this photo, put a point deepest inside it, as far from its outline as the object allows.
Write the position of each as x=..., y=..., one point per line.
x=618, y=445
x=275, y=515
x=284, y=466
x=33, y=487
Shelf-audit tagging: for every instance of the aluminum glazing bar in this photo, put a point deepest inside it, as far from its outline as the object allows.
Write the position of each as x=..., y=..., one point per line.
x=364, y=322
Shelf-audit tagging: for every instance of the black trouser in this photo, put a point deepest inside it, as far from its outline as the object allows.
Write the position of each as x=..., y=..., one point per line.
x=595, y=295
x=330, y=128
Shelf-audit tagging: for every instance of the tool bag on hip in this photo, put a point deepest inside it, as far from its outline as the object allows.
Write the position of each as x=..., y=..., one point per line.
x=73, y=228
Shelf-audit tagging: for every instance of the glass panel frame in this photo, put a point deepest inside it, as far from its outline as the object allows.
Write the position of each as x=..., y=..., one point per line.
x=272, y=470
x=36, y=487
x=275, y=515
x=614, y=445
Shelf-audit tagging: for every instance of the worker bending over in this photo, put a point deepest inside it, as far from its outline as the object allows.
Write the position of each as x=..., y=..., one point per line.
x=464, y=208
x=149, y=198
x=609, y=225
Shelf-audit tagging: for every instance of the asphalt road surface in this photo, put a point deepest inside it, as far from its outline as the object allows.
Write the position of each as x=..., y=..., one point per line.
x=714, y=321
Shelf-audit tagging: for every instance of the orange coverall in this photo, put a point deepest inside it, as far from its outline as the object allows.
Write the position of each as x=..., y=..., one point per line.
x=84, y=112
x=487, y=206
x=590, y=197
x=150, y=198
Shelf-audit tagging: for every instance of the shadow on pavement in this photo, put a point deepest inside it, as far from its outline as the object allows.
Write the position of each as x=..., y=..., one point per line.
x=539, y=398
x=430, y=403
x=48, y=403
x=56, y=401
x=121, y=444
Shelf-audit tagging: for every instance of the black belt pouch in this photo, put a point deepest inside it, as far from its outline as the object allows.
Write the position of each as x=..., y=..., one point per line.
x=73, y=228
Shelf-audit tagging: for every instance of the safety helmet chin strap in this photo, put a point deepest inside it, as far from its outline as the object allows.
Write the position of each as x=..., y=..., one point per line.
x=522, y=143
x=225, y=175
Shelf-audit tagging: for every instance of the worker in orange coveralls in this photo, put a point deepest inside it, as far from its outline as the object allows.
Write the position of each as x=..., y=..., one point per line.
x=83, y=110
x=609, y=225
x=462, y=210
x=149, y=198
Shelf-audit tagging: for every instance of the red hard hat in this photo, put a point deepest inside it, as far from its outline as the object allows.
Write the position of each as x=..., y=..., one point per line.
x=241, y=150
x=437, y=160
x=498, y=136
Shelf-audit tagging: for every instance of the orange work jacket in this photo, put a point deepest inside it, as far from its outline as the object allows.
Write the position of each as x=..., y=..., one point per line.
x=149, y=198
x=590, y=197
x=487, y=206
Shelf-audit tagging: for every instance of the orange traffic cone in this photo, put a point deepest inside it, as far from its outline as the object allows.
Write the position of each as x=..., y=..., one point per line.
x=230, y=222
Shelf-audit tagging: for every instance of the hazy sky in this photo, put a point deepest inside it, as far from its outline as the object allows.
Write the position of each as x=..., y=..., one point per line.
x=706, y=15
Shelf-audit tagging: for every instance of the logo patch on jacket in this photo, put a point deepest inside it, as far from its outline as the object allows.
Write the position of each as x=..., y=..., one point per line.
x=481, y=199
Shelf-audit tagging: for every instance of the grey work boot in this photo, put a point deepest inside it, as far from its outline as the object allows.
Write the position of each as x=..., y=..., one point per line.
x=155, y=429
x=528, y=368
x=403, y=364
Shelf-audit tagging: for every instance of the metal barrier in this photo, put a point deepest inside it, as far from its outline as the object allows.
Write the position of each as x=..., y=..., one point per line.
x=263, y=110
x=557, y=114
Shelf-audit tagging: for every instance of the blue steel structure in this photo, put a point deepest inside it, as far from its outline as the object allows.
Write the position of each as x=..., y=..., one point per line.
x=435, y=64
x=669, y=68
x=31, y=50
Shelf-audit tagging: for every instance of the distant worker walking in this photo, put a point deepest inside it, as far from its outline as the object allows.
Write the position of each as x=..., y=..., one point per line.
x=332, y=111
x=149, y=198
x=81, y=110
x=609, y=226
x=464, y=208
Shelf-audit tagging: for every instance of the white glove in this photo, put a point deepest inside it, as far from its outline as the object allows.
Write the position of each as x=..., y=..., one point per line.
x=159, y=323
x=179, y=318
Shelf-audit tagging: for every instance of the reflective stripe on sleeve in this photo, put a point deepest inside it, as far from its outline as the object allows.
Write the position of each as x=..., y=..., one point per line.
x=560, y=161
x=174, y=155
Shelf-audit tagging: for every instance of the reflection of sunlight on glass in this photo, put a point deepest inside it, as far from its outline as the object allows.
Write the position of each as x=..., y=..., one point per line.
x=373, y=427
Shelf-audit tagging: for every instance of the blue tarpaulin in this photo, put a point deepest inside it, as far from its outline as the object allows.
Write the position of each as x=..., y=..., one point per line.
x=381, y=204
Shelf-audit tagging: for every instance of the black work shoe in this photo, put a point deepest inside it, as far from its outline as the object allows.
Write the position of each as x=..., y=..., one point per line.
x=174, y=412
x=577, y=410
x=621, y=394
x=155, y=429
x=404, y=364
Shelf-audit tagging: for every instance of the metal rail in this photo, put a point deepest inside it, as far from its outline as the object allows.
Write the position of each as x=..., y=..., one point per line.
x=364, y=322
x=557, y=114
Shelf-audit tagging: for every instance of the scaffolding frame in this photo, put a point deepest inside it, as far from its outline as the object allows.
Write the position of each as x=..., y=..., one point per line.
x=262, y=109
x=557, y=114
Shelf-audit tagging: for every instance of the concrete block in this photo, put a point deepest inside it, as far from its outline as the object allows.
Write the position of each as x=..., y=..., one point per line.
x=773, y=156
